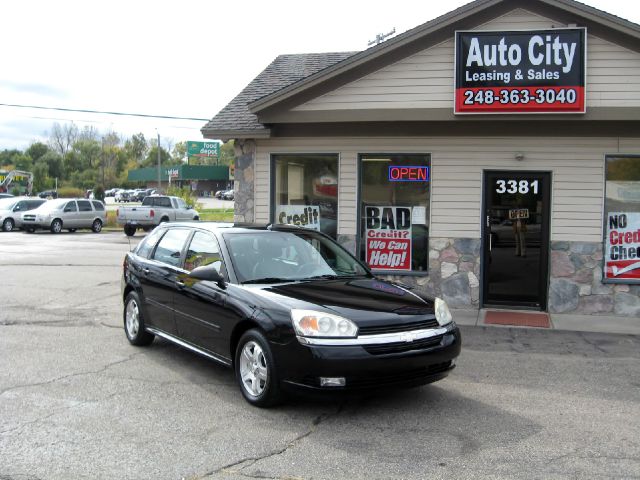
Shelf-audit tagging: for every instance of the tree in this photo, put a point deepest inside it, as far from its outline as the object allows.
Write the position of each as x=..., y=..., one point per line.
x=63, y=137
x=36, y=150
x=227, y=153
x=179, y=152
x=137, y=147
x=152, y=157
x=53, y=161
x=88, y=151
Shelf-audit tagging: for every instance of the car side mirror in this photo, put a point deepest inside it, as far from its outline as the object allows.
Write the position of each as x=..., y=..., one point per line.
x=209, y=273
x=67, y=209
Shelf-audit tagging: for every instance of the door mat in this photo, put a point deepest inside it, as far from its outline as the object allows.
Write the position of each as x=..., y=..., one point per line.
x=519, y=319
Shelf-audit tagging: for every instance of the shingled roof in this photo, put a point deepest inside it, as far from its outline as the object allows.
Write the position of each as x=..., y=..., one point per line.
x=285, y=70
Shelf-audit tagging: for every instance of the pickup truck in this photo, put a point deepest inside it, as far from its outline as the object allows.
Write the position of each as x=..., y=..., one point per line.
x=154, y=210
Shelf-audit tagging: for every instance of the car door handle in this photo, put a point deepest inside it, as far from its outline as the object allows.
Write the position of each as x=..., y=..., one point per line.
x=180, y=285
x=146, y=271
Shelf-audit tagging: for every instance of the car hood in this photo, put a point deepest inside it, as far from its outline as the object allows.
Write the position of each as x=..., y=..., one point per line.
x=366, y=301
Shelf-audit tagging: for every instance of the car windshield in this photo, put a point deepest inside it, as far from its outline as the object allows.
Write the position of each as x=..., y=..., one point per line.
x=282, y=256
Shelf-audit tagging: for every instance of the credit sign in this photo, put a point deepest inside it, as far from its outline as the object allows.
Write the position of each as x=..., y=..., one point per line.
x=622, y=248
x=541, y=71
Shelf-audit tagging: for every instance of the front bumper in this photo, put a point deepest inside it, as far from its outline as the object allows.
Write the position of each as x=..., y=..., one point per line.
x=368, y=366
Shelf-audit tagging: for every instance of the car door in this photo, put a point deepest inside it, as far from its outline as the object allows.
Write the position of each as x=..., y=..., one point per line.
x=182, y=212
x=70, y=215
x=158, y=278
x=85, y=214
x=203, y=317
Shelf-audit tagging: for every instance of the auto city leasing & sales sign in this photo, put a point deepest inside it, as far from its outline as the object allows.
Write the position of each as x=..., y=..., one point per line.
x=541, y=71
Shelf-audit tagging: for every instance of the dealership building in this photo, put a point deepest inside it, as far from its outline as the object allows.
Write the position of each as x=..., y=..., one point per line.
x=490, y=156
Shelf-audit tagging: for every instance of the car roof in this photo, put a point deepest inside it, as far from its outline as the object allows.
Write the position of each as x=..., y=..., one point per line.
x=228, y=227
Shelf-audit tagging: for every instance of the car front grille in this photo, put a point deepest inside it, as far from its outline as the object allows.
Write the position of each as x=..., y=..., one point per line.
x=404, y=327
x=401, y=347
x=29, y=218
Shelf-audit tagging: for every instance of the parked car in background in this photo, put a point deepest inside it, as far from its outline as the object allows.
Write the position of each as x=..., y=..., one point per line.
x=219, y=194
x=48, y=194
x=122, y=196
x=286, y=307
x=111, y=192
x=154, y=210
x=5, y=195
x=12, y=208
x=66, y=213
x=140, y=194
x=228, y=195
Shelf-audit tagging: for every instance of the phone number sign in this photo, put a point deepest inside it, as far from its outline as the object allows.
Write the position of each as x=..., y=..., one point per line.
x=537, y=71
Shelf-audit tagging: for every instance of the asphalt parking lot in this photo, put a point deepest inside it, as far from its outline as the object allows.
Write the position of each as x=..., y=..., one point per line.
x=77, y=401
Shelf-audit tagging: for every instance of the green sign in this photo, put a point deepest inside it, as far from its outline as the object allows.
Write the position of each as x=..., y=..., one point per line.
x=203, y=149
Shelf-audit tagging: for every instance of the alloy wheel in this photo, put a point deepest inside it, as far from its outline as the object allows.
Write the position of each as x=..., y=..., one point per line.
x=132, y=319
x=253, y=369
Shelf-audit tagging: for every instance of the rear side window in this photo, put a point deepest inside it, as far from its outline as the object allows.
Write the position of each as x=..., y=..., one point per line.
x=162, y=202
x=98, y=206
x=84, y=206
x=70, y=207
x=31, y=204
x=146, y=245
x=169, y=250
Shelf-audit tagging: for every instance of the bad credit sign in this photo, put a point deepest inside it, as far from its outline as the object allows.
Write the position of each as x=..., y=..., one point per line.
x=536, y=71
x=622, y=248
x=388, y=238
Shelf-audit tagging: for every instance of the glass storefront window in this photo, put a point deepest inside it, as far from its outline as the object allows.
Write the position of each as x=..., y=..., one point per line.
x=306, y=191
x=394, y=212
x=622, y=220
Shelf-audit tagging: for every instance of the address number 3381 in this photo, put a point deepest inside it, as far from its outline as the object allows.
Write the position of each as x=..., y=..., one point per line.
x=517, y=186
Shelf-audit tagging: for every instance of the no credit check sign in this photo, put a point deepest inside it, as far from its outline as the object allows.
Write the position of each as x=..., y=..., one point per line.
x=541, y=71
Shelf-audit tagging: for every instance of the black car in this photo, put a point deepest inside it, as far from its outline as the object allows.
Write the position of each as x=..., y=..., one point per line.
x=286, y=307
x=48, y=194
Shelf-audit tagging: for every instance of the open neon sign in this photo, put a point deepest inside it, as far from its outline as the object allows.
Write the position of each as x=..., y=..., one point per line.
x=408, y=174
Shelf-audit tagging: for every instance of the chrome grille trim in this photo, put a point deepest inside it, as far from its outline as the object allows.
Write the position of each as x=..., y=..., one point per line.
x=380, y=339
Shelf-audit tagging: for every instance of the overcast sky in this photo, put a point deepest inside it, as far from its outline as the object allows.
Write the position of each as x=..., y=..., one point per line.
x=183, y=59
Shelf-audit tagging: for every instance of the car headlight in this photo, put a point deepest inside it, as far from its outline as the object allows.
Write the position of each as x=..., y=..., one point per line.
x=308, y=323
x=443, y=315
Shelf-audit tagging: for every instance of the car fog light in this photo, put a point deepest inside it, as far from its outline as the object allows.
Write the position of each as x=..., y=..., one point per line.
x=332, y=381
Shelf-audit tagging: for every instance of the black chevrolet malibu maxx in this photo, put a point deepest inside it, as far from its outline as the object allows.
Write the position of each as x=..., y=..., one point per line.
x=286, y=307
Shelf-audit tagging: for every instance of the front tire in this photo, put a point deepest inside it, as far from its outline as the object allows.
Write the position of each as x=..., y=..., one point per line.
x=97, y=226
x=256, y=371
x=8, y=225
x=133, y=319
x=56, y=226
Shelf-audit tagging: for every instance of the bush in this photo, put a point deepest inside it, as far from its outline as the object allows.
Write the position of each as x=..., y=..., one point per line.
x=70, y=192
x=98, y=192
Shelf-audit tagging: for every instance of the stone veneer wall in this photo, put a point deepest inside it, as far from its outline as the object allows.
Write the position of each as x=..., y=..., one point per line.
x=243, y=185
x=576, y=283
x=575, y=277
x=454, y=270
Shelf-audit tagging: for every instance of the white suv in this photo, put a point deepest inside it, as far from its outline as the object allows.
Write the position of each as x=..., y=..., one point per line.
x=69, y=213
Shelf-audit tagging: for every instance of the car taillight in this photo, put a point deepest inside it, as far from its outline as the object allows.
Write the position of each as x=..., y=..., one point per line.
x=152, y=213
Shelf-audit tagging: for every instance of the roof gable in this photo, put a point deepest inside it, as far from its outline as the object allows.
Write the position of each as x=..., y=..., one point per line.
x=263, y=107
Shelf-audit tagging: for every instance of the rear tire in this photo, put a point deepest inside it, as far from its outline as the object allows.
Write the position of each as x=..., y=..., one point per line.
x=97, y=226
x=256, y=371
x=56, y=226
x=8, y=225
x=129, y=231
x=134, y=327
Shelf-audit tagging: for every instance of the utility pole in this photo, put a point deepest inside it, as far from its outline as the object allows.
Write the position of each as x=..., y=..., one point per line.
x=380, y=37
x=159, y=176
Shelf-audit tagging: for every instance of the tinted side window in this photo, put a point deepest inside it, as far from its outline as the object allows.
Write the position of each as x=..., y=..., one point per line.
x=145, y=247
x=31, y=204
x=98, y=206
x=170, y=247
x=84, y=206
x=71, y=207
x=203, y=250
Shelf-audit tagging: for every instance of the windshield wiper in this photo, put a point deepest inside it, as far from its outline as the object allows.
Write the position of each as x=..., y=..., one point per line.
x=270, y=280
x=331, y=277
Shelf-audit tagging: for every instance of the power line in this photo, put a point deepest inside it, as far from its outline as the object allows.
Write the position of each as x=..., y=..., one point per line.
x=60, y=109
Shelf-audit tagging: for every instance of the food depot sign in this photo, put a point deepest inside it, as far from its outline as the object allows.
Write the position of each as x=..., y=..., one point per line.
x=538, y=71
x=388, y=238
x=622, y=248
